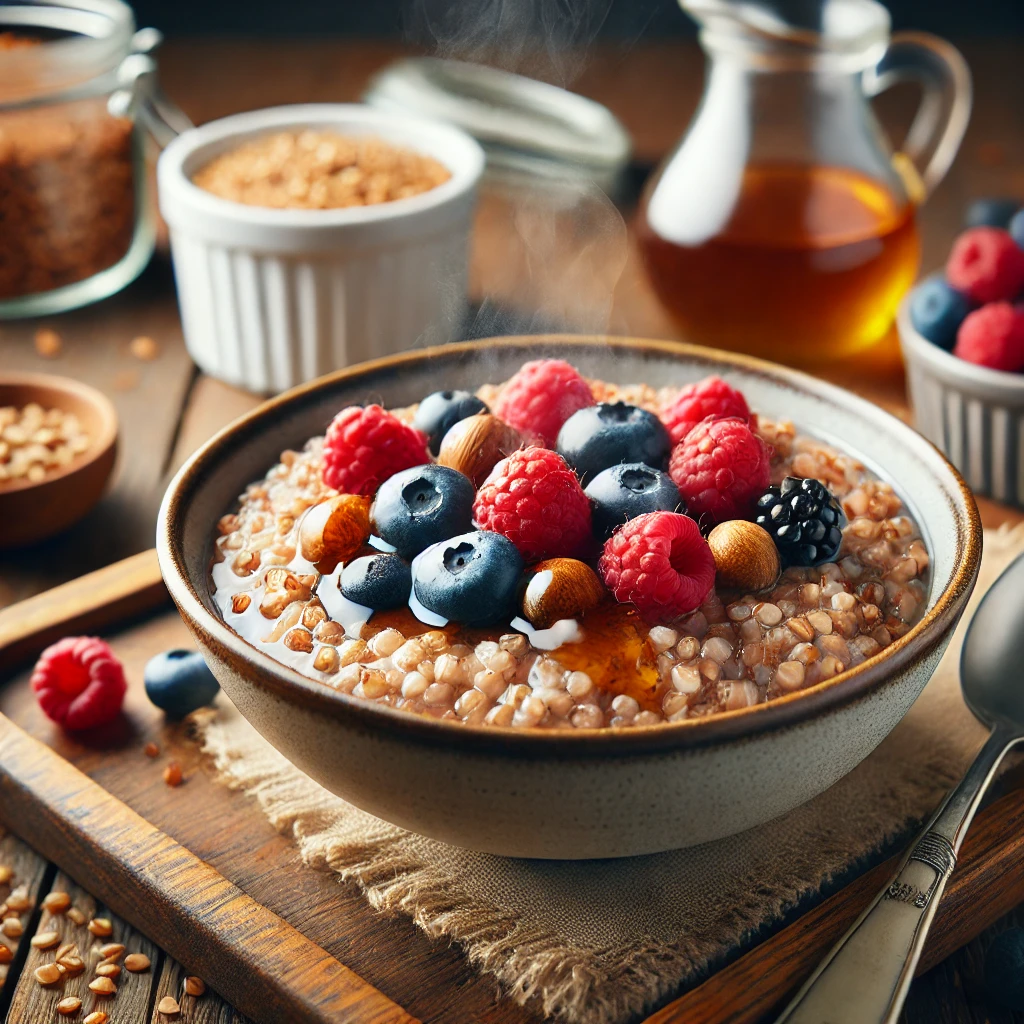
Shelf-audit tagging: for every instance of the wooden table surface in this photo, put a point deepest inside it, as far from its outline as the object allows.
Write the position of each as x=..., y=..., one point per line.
x=573, y=266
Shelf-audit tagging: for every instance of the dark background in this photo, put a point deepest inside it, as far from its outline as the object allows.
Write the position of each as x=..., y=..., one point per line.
x=623, y=20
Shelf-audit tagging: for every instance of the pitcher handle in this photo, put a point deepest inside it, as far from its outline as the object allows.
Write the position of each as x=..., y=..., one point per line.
x=941, y=120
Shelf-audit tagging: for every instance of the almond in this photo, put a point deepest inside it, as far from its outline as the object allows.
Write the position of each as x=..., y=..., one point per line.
x=334, y=530
x=560, y=588
x=475, y=445
x=103, y=987
x=136, y=962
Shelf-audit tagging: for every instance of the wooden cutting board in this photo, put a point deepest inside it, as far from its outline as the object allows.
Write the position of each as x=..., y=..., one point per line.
x=199, y=870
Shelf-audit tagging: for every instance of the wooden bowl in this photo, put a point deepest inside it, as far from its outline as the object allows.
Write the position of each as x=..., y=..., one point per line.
x=31, y=511
x=573, y=793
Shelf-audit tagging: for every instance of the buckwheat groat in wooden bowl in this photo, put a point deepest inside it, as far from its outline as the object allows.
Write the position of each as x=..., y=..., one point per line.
x=540, y=694
x=58, y=444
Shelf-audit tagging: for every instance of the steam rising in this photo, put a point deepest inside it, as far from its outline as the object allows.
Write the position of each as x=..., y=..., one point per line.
x=551, y=249
x=542, y=38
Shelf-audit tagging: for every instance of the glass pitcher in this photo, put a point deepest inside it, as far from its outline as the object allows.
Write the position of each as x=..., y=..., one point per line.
x=783, y=224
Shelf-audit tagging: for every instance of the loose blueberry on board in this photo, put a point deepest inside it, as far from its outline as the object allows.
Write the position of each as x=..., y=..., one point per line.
x=471, y=579
x=1016, y=227
x=380, y=582
x=1004, y=969
x=937, y=311
x=804, y=519
x=606, y=434
x=421, y=506
x=440, y=411
x=623, y=492
x=991, y=213
x=178, y=682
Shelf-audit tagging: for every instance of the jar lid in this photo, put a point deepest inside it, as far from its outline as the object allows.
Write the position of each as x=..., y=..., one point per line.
x=523, y=124
x=76, y=41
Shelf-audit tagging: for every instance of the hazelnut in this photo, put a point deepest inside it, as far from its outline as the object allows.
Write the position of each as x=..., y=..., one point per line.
x=475, y=445
x=745, y=556
x=560, y=588
x=332, y=531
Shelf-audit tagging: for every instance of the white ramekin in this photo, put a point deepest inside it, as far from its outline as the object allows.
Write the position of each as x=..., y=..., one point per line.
x=271, y=298
x=973, y=414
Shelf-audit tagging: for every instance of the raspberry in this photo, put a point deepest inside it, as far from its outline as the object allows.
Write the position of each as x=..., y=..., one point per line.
x=535, y=500
x=79, y=682
x=660, y=563
x=721, y=468
x=365, y=445
x=986, y=265
x=541, y=397
x=993, y=336
x=696, y=402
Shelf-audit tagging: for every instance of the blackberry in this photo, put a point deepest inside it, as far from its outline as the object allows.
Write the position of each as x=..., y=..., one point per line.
x=804, y=520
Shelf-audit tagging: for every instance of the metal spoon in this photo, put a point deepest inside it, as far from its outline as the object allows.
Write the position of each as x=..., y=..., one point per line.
x=865, y=977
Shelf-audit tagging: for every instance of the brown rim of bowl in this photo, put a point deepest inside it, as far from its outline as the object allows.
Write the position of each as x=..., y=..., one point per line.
x=791, y=709
x=85, y=393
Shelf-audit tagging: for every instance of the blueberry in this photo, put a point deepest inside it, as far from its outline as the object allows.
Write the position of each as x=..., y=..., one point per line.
x=1016, y=228
x=937, y=310
x=377, y=581
x=990, y=213
x=178, y=682
x=421, y=506
x=624, y=492
x=606, y=434
x=439, y=412
x=470, y=579
x=1004, y=969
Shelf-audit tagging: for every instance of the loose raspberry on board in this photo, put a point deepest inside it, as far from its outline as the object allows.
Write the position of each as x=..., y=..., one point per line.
x=79, y=683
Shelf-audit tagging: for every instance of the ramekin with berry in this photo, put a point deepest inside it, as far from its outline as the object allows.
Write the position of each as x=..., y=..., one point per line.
x=962, y=334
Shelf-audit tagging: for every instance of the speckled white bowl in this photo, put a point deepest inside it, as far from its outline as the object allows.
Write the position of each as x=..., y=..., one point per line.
x=568, y=794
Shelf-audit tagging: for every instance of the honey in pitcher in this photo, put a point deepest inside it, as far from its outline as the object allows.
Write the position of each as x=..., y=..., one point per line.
x=810, y=265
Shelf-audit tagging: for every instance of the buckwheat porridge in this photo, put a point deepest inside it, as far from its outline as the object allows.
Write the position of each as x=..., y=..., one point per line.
x=569, y=554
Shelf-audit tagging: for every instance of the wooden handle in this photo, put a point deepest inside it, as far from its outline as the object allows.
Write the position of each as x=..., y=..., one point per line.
x=260, y=963
x=112, y=594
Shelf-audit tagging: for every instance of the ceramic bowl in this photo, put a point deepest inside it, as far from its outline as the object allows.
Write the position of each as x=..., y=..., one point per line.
x=270, y=297
x=30, y=512
x=974, y=414
x=567, y=794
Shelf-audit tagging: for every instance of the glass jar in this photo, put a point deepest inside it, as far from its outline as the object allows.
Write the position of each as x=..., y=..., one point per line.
x=77, y=223
x=783, y=224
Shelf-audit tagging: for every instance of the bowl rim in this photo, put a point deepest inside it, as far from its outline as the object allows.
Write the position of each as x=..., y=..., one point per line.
x=177, y=188
x=953, y=370
x=98, y=447
x=789, y=710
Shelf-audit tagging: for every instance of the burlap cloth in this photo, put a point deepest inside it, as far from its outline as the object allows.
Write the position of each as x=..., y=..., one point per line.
x=599, y=941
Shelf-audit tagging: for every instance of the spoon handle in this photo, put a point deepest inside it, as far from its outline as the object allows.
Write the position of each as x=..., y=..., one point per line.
x=865, y=977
